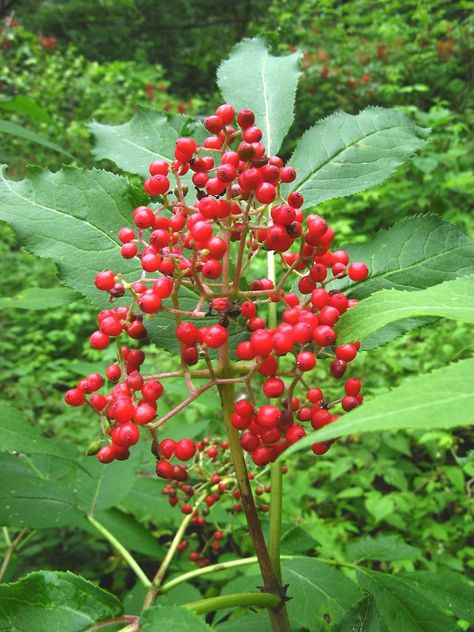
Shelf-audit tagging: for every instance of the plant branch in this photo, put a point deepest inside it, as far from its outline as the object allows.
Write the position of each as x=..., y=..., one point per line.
x=237, y=600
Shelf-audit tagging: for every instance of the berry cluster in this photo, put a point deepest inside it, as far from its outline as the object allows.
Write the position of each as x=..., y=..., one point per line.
x=203, y=245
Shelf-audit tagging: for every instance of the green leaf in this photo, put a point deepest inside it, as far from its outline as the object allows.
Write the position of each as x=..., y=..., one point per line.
x=345, y=153
x=49, y=600
x=296, y=540
x=6, y=127
x=145, y=499
x=252, y=78
x=257, y=621
x=71, y=217
x=19, y=435
x=401, y=606
x=128, y=530
x=441, y=399
x=418, y=252
x=148, y=136
x=449, y=591
x=363, y=617
x=452, y=299
x=319, y=592
x=33, y=498
x=171, y=618
x=379, y=506
x=105, y=486
x=37, y=298
x=385, y=548
x=393, y=331
x=20, y=104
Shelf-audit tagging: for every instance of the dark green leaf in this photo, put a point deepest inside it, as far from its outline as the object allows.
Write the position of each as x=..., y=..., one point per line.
x=401, y=606
x=257, y=621
x=18, y=434
x=252, y=78
x=296, y=540
x=319, y=592
x=71, y=217
x=48, y=600
x=345, y=153
x=171, y=618
x=441, y=399
x=129, y=531
x=449, y=591
x=385, y=548
x=6, y=127
x=452, y=299
x=103, y=486
x=363, y=617
x=37, y=298
x=20, y=104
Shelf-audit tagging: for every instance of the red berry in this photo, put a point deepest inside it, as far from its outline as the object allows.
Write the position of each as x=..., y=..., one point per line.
x=105, y=280
x=358, y=271
x=125, y=435
x=185, y=449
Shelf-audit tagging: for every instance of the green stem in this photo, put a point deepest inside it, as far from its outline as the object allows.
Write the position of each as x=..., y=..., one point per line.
x=127, y=556
x=276, y=479
x=214, y=568
x=237, y=600
x=157, y=580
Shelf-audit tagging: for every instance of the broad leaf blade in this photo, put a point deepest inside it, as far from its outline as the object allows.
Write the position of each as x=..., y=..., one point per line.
x=345, y=153
x=20, y=104
x=418, y=252
x=386, y=548
x=38, y=298
x=449, y=591
x=453, y=299
x=48, y=600
x=441, y=399
x=252, y=78
x=129, y=531
x=363, y=617
x=171, y=618
x=6, y=127
x=401, y=606
x=19, y=435
x=148, y=136
x=319, y=592
x=71, y=217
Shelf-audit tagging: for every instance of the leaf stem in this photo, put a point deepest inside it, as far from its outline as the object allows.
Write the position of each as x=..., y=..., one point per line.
x=127, y=556
x=237, y=600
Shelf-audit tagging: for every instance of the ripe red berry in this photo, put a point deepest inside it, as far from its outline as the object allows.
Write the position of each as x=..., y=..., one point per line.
x=358, y=271
x=185, y=449
x=105, y=280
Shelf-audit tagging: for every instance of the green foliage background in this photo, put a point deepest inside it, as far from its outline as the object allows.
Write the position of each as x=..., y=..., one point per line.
x=107, y=58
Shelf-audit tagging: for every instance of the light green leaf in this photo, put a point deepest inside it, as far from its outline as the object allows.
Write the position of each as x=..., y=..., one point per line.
x=71, y=217
x=418, y=252
x=252, y=78
x=171, y=618
x=449, y=591
x=441, y=399
x=363, y=617
x=401, y=606
x=21, y=104
x=19, y=435
x=148, y=136
x=6, y=127
x=345, y=153
x=51, y=600
x=379, y=506
x=318, y=591
x=452, y=299
x=385, y=548
x=37, y=298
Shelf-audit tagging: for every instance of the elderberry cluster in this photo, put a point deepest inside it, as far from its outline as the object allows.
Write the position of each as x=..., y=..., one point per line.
x=203, y=245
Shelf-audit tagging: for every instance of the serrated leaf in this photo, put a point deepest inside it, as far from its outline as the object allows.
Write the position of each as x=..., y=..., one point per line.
x=418, y=252
x=401, y=606
x=395, y=330
x=379, y=506
x=71, y=217
x=148, y=136
x=145, y=499
x=441, y=399
x=252, y=78
x=385, y=548
x=102, y=487
x=13, y=129
x=171, y=618
x=363, y=617
x=452, y=299
x=449, y=591
x=320, y=592
x=296, y=540
x=38, y=298
x=18, y=434
x=345, y=153
x=31, y=498
x=50, y=600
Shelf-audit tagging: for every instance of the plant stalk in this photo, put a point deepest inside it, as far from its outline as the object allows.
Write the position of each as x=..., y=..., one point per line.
x=237, y=600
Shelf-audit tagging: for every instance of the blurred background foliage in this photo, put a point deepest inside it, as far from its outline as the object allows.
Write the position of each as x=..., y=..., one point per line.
x=65, y=62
